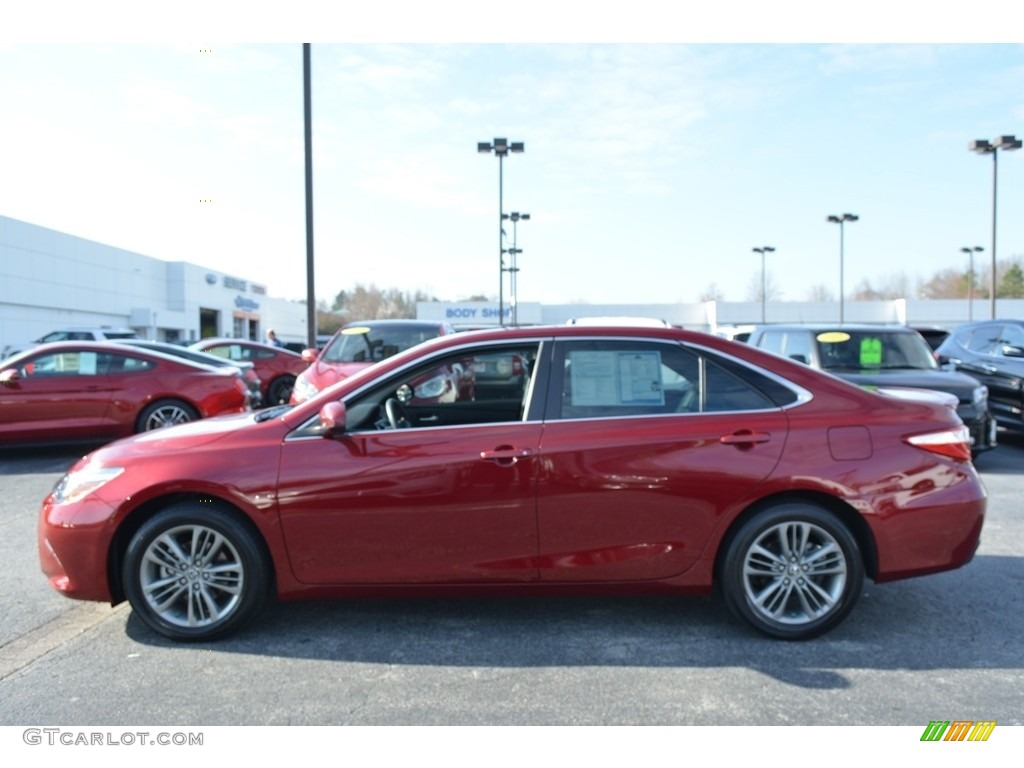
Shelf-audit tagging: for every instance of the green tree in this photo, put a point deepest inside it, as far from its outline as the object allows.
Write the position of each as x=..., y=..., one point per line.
x=1011, y=286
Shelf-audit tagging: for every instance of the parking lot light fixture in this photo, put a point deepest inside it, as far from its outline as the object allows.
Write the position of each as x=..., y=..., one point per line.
x=841, y=220
x=513, y=269
x=983, y=147
x=501, y=148
x=764, y=279
x=970, y=278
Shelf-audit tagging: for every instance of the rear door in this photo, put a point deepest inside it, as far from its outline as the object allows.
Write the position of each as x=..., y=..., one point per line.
x=646, y=445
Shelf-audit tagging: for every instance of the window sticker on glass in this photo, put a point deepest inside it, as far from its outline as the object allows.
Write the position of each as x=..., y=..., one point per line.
x=870, y=352
x=616, y=378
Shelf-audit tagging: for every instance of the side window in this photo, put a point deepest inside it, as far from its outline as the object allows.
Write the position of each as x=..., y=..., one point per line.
x=475, y=386
x=771, y=341
x=125, y=364
x=798, y=346
x=623, y=377
x=62, y=364
x=616, y=378
x=983, y=339
x=1012, y=335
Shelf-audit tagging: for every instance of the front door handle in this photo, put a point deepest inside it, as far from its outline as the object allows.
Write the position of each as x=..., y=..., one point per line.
x=506, y=455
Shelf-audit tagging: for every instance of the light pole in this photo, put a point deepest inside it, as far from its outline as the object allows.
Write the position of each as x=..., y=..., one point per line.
x=841, y=220
x=515, y=217
x=983, y=147
x=764, y=279
x=500, y=147
x=970, y=279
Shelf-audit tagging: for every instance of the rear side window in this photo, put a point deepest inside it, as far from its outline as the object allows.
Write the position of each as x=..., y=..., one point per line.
x=624, y=377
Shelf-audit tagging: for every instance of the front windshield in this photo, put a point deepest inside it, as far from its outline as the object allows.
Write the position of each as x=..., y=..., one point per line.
x=367, y=344
x=874, y=350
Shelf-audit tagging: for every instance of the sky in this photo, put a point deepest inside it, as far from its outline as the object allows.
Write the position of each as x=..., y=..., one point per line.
x=661, y=147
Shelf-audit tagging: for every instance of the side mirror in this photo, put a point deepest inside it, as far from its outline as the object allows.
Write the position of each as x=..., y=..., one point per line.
x=1011, y=351
x=9, y=377
x=310, y=355
x=332, y=420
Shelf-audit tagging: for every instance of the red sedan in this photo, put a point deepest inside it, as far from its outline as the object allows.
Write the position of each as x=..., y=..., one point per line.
x=79, y=390
x=634, y=459
x=276, y=367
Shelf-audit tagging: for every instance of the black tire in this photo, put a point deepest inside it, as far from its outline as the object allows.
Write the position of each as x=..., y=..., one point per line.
x=280, y=390
x=171, y=584
x=165, y=413
x=793, y=571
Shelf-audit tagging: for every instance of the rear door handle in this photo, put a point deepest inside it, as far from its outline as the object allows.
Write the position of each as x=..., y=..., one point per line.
x=745, y=438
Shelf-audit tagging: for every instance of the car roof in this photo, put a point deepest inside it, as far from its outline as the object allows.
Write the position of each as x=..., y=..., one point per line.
x=835, y=327
x=113, y=345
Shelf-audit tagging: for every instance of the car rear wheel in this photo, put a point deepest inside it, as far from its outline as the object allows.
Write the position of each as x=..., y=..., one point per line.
x=195, y=571
x=165, y=413
x=793, y=571
x=280, y=390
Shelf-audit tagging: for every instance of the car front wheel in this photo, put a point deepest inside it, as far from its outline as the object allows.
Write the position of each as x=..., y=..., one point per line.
x=195, y=571
x=280, y=390
x=793, y=571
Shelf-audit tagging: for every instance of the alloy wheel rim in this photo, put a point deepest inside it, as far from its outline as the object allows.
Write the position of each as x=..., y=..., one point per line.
x=192, y=576
x=794, y=573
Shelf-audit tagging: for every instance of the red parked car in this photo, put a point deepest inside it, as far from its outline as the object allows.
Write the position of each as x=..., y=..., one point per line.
x=276, y=367
x=80, y=390
x=634, y=460
x=360, y=344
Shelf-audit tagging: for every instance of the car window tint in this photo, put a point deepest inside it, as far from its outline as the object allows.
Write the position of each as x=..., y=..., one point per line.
x=479, y=386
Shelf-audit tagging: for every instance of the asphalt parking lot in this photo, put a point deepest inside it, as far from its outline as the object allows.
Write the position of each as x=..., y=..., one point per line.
x=946, y=646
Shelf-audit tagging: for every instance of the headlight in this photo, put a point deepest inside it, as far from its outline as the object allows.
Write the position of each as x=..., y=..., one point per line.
x=980, y=395
x=80, y=483
x=303, y=389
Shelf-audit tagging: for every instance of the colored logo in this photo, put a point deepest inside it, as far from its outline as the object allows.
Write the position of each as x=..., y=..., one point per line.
x=958, y=730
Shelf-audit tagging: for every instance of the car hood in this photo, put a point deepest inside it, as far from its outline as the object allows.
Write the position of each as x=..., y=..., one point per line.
x=959, y=384
x=182, y=437
x=324, y=374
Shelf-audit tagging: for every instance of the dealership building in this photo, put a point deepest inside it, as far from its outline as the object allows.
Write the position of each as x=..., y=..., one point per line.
x=51, y=280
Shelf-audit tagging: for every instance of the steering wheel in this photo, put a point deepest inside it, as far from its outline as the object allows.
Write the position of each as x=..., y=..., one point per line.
x=396, y=414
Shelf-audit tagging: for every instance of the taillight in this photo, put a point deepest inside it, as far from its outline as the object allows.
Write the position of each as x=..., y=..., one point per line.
x=955, y=443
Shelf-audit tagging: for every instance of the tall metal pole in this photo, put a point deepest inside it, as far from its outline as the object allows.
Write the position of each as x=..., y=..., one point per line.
x=311, y=325
x=992, y=277
x=841, y=221
x=984, y=147
x=501, y=244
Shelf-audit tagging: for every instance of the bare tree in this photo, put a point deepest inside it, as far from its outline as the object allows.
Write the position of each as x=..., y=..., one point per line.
x=820, y=292
x=711, y=293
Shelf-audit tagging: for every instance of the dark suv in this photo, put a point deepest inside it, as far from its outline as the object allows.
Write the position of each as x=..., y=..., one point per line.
x=883, y=356
x=992, y=351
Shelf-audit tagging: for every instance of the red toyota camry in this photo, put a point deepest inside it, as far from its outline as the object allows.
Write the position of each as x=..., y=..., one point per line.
x=82, y=390
x=632, y=459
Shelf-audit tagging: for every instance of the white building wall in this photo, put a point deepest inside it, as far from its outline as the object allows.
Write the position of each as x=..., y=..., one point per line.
x=50, y=279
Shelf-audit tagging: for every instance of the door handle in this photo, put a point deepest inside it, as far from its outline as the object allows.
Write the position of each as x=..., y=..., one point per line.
x=506, y=456
x=744, y=438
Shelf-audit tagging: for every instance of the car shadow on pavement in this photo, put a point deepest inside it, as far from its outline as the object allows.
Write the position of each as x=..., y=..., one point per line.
x=955, y=620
